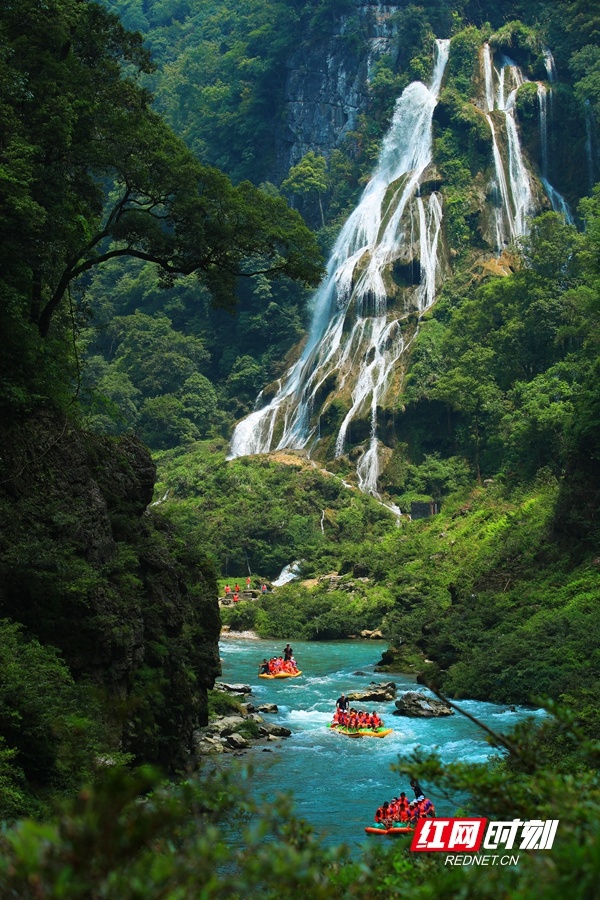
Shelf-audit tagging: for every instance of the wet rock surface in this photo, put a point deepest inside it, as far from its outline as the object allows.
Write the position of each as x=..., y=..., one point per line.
x=233, y=688
x=374, y=693
x=418, y=706
x=234, y=733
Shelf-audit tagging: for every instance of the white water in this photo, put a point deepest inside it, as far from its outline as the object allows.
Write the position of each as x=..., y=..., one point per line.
x=511, y=179
x=287, y=574
x=354, y=344
x=512, y=183
x=338, y=783
x=550, y=65
x=351, y=340
x=542, y=94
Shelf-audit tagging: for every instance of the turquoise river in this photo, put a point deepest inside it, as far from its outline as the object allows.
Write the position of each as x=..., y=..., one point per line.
x=337, y=782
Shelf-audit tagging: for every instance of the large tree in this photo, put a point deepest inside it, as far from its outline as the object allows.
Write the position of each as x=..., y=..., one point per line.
x=89, y=172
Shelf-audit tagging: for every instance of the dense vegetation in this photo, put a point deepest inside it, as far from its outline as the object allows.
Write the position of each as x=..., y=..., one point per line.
x=123, y=251
x=118, y=612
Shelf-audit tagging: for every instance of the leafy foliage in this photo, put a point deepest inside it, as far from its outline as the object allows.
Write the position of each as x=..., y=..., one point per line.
x=132, y=835
x=260, y=514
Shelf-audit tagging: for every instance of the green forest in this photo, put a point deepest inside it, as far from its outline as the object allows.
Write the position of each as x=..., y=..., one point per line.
x=174, y=179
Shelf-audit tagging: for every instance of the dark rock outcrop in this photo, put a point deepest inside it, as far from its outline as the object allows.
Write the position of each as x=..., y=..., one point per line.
x=418, y=706
x=374, y=693
x=86, y=568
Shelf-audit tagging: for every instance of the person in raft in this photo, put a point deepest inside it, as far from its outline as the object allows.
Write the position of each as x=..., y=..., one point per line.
x=419, y=795
x=287, y=653
x=263, y=669
x=277, y=664
x=399, y=810
x=355, y=720
x=382, y=815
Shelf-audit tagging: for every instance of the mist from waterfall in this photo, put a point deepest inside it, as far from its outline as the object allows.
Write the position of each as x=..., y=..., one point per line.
x=351, y=339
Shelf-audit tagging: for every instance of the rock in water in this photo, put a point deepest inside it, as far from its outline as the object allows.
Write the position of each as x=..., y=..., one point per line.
x=237, y=742
x=375, y=693
x=233, y=688
x=418, y=706
x=275, y=730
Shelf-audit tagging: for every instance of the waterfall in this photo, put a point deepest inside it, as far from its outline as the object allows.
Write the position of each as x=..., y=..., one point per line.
x=351, y=339
x=519, y=177
x=542, y=95
x=513, y=187
x=589, y=146
x=509, y=212
x=557, y=201
x=550, y=64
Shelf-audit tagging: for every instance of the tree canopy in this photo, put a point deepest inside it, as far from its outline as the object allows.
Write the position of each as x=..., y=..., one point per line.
x=89, y=172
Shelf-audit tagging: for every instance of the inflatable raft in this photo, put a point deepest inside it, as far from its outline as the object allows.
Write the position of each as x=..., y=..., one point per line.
x=362, y=732
x=395, y=829
x=282, y=675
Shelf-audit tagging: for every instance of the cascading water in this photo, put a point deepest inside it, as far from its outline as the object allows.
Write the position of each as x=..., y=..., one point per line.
x=589, y=144
x=351, y=340
x=516, y=204
x=549, y=64
x=558, y=202
x=389, y=260
x=542, y=95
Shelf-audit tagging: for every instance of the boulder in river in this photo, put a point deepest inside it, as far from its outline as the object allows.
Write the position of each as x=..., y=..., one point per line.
x=268, y=708
x=226, y=725
x=374, y=693
x=274, y=730
x=237, y=742
x=233, y=688
x=206, y=743
x=418, y=706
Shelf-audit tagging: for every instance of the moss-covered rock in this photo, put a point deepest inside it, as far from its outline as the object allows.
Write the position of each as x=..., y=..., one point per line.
x=86, y=568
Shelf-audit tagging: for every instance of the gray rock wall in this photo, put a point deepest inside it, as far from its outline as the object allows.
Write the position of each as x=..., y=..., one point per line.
x=326, y=85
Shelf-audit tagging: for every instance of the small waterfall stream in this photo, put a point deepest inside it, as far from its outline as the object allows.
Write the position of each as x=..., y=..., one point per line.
x=559, y=204
x=352, y=340
x=513, y=187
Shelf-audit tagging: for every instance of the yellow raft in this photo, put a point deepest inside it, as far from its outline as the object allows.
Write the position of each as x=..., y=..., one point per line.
x=362, y=732
x=282, y=675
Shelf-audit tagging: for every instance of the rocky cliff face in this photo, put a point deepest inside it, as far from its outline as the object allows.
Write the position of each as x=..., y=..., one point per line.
x=327, y=82
x=87, y=568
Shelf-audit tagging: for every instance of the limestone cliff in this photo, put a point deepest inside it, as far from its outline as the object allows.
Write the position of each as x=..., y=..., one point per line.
x=327, y=83
x=86, y=567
